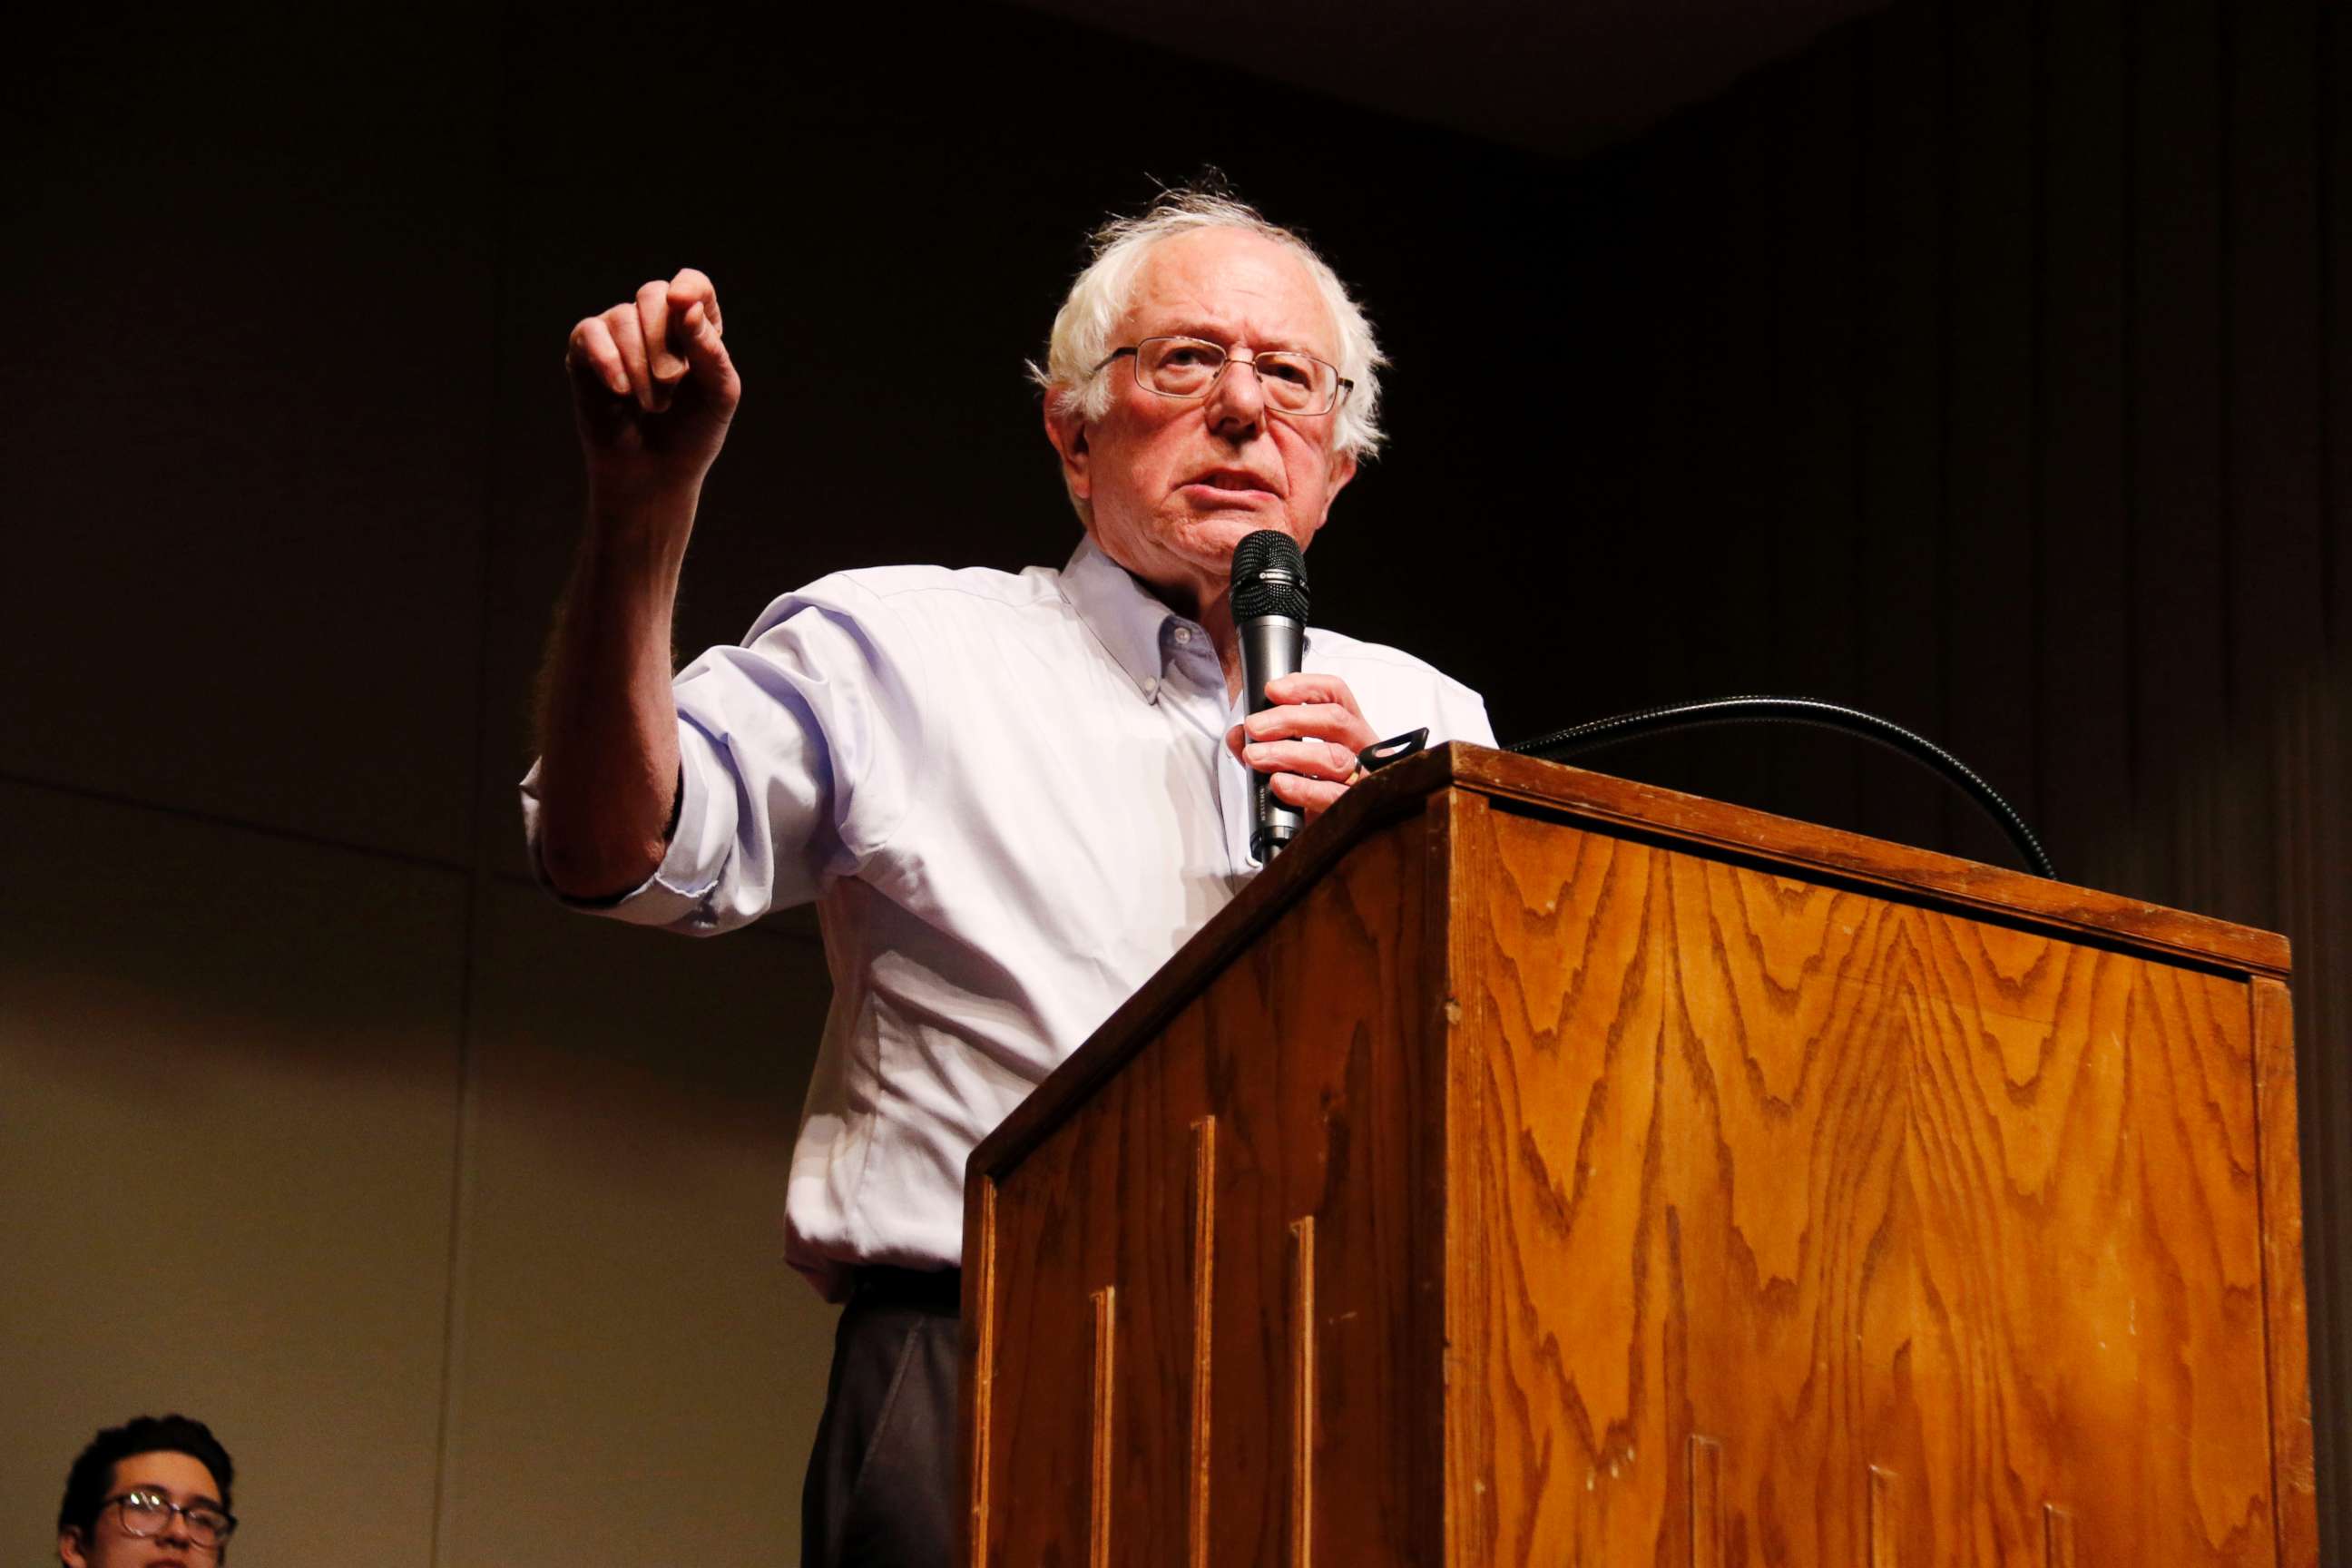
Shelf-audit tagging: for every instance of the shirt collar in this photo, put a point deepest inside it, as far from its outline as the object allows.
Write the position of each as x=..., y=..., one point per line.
x=1119, y=611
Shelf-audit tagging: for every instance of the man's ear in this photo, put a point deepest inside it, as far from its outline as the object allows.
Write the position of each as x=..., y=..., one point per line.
x=1066, y=429
x=69, y=1547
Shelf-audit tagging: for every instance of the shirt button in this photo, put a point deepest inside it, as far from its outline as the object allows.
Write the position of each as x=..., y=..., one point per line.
x=1152, y=688
x=1183, y=634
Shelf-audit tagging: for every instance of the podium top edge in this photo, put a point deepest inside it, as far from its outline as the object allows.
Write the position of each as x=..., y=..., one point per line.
x=1626, y=809
x=1625, y=806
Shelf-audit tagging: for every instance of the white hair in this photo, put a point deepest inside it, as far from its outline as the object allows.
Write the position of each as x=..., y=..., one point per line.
x=1102, y=293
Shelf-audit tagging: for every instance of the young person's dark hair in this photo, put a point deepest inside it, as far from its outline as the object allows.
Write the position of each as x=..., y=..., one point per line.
x=93, y=1472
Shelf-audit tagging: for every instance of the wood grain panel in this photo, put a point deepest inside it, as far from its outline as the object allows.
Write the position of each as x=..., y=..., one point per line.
x=1302, y=1391
x=1147, y=1171
x=2058, y=1537
x=978, y=1419
x=1205, y=1288
x=1036, y=1442
x=1852, y=1183
x=1706, y=1502
x=1188, y=1165
x=1811, y=850
x=1556, y=1297
x=1885, y=1519
x=2293, y=1481
x=1103, y=1402
x=1459, y=822
x=1885, y=1187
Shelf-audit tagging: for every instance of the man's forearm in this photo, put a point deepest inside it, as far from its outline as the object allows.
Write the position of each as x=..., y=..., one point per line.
x=608, y=723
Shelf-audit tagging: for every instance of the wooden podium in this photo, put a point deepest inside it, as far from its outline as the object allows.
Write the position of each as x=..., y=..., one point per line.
x=1533, y=1167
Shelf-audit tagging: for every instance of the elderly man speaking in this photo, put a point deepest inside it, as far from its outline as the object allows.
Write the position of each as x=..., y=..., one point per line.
x=1012, y=797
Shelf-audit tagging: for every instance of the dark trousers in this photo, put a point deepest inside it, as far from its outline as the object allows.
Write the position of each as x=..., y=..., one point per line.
x=881, y=1490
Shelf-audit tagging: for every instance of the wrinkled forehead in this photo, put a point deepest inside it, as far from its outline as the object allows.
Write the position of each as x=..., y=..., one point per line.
x=1231, y=287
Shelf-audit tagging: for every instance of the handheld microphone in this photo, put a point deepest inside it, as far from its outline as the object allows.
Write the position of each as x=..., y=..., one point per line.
x=1270, y=598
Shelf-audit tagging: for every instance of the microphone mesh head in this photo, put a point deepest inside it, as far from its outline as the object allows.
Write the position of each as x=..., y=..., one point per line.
x=1255, y=594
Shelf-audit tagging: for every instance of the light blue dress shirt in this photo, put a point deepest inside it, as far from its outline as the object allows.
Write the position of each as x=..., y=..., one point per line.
x=1010, y=797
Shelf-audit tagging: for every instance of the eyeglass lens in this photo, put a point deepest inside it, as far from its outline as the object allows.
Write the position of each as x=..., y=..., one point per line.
x=1186, y=367
x=145, y=1514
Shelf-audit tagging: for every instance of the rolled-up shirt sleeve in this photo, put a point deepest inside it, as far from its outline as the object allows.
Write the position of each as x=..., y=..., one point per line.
x=793, y=759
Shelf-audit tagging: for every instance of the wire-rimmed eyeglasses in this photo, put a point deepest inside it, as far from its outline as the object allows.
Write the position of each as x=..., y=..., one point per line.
x=1294, y=382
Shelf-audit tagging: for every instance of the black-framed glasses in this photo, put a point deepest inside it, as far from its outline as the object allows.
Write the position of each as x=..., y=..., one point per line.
x=1294, y=382
x=143, y=1513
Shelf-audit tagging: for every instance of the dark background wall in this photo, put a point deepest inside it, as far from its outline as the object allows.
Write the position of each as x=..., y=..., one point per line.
x=1983, y=366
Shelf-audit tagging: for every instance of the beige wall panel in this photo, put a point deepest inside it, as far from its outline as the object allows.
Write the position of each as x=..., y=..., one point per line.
x=228, y=1070
x=637, y=1369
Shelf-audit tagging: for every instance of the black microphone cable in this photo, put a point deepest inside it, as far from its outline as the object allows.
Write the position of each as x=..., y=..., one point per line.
x=1579, y=739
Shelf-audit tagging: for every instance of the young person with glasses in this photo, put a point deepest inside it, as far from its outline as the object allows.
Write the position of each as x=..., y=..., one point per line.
x=151, y=1493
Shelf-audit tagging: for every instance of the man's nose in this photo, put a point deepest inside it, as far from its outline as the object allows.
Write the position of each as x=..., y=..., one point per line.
x=1237, y=402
